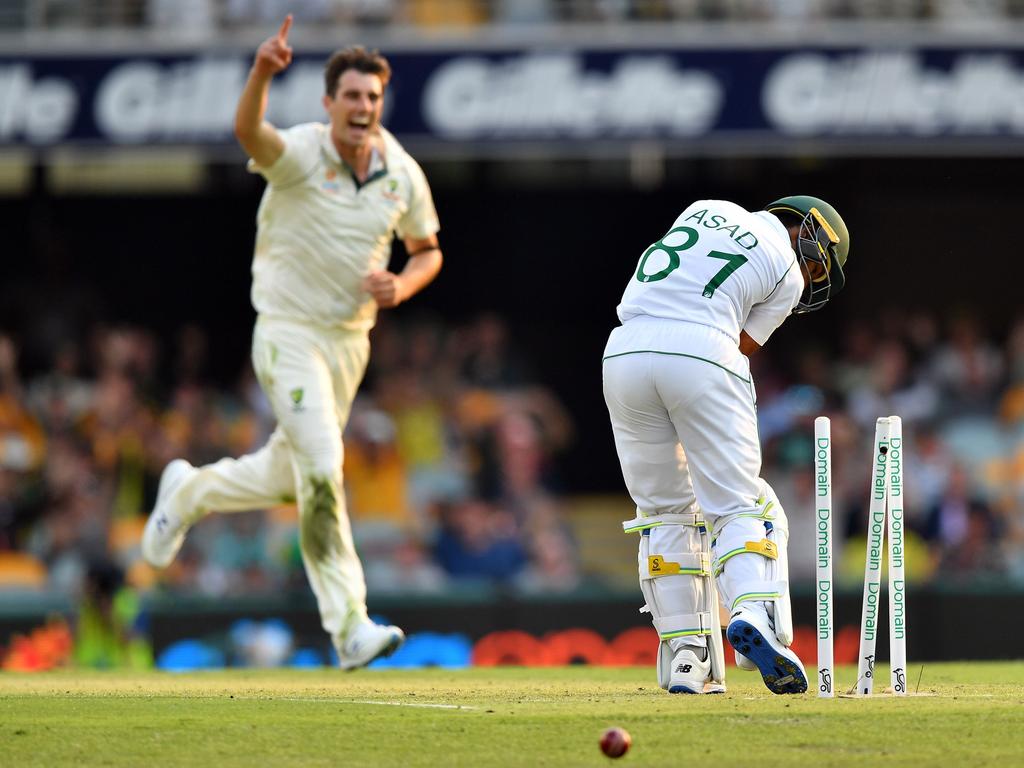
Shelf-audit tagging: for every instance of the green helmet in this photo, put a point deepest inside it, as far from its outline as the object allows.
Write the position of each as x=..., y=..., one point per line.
x=823, y=238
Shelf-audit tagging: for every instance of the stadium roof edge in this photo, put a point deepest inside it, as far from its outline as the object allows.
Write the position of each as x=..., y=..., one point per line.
x=695, y=35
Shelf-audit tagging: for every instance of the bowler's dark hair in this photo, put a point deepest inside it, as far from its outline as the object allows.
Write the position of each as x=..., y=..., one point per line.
x=358, y=58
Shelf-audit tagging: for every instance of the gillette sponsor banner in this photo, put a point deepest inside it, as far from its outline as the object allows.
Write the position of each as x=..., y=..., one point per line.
x=765, y=98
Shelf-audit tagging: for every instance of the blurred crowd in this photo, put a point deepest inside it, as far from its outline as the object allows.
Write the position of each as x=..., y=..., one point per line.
x=452, y=454
x=212, y=15
x=959, y=390
x=450, y=464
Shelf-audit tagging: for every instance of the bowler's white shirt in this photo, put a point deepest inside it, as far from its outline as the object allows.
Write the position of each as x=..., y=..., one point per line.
x=319, y=233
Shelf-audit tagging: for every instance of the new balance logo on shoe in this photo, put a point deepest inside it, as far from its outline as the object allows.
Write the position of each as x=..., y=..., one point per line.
x=684, y=668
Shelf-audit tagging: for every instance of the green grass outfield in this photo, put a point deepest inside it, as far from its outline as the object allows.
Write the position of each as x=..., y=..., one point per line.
x=963, y=714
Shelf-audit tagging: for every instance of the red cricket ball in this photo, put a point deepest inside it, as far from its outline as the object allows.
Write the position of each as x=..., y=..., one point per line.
x=615, y=742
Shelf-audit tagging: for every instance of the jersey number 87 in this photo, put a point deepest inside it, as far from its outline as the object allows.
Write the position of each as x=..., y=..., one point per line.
x=668, y=244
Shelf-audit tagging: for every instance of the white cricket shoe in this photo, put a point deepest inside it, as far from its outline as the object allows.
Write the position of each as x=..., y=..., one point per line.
x=166, y=527
x=750, y=634
x=691, y=672
x=369, y=641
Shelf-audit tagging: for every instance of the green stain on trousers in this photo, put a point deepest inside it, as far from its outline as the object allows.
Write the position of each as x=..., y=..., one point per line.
x=319, y=520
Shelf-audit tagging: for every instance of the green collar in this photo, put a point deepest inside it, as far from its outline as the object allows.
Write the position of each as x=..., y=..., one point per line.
x=378, y=163
x=378, y=168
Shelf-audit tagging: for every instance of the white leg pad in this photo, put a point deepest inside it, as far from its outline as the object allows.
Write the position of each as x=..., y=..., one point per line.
x=778, y=569
x=674, y=567
x=743, y=662
x=665, y=655
x=743, y=578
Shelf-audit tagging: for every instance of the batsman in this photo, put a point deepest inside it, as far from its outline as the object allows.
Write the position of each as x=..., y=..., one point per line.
x=677, y=383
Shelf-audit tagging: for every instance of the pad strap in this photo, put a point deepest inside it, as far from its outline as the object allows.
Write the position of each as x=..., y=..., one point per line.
x=676, y=564
x=683, y=625
x=764, y=506
x=638, y=524
x=765, y=547
x=758, y=591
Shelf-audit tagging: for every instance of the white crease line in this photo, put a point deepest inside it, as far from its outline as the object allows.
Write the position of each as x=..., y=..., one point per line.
x=422, y=705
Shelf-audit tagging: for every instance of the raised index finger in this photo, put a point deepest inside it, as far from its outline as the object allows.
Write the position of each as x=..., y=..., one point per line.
x=282, y=33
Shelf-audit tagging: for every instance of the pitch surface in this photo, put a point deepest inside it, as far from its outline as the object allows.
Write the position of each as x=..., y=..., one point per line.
x=963, y=714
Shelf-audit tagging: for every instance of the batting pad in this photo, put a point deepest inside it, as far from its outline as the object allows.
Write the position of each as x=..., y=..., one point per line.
x=674, y=567
x=751, y=561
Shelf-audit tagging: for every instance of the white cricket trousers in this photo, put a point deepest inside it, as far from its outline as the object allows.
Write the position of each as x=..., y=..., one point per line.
x=685, y=427
x=310, y=376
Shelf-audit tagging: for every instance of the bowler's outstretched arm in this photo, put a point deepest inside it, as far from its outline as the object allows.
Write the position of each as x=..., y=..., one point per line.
x=259, y=138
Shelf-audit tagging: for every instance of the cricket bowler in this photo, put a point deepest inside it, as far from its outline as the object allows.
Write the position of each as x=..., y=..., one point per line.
x=337, y=194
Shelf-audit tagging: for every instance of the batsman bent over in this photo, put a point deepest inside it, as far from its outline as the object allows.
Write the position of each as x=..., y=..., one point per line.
x=682, y=404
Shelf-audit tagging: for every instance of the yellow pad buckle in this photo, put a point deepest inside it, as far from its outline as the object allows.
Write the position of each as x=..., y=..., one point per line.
x=763, y=547
x=658, y=566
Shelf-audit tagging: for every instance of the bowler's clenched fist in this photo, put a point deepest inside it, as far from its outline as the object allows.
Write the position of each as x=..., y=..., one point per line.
x=385, y=287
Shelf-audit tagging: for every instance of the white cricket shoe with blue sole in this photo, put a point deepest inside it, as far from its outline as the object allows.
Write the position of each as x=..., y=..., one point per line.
x=166, y=527
x=751, y=635
x=369, y=641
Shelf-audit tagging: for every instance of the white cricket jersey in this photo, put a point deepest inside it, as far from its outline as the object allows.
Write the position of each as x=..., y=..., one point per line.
x=719, y=267
x=319, y=232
